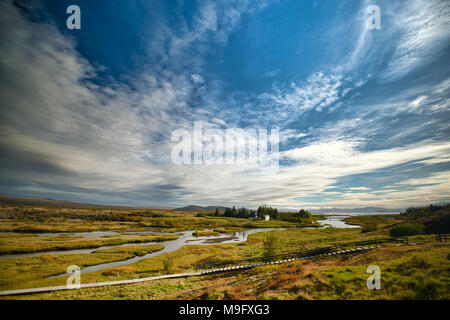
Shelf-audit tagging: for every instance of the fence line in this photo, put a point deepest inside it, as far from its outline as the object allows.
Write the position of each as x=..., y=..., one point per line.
x=442, y=237
x=303, y=253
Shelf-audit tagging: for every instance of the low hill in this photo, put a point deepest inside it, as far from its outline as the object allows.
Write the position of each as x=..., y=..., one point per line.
x=355, y=210
x=12, y=200
x=435, y=218
x=201, y=209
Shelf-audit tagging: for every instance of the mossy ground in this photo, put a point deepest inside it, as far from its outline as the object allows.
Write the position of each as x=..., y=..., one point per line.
x=30, y=272
x=416, y=271
x=407, y=272
x=29, y=243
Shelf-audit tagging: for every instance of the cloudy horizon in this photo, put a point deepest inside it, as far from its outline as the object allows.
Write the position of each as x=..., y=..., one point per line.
x=363, y=115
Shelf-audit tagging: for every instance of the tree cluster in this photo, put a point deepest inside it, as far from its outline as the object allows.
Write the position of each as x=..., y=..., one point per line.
x=265, y=210
x=304, y=214
x=238, y=213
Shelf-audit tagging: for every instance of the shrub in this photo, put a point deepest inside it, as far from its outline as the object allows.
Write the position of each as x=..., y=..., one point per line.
x=370, y=226
x=270, y=245
x=407, y=229
x=168, y=265
x=428, y=290
x=119, y=270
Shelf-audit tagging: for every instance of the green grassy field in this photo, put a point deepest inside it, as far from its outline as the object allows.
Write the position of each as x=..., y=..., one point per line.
x=31, y=272
x=420, y=270
x=26, y=219
x=29, y=243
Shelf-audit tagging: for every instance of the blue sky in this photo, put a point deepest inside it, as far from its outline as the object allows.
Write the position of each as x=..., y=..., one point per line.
x=87, y=115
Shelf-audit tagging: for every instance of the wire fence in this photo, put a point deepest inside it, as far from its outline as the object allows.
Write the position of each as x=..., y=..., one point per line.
x=442, y=237
x=303, y=253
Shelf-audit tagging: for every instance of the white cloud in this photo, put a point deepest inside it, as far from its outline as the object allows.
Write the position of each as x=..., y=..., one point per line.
x=425, y=30
x=417, y=102
x=95, y=140
x=320, y=91
x=343, y=157
x=88, y=137
x=288, y=134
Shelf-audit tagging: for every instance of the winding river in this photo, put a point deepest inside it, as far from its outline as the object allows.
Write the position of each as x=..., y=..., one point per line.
x=336, y=222
x=184, y=238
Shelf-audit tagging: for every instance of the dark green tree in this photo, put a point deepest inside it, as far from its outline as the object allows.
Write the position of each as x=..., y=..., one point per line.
x=243, y=213
x=228, y=212
x=304, y=214
x=275, y=215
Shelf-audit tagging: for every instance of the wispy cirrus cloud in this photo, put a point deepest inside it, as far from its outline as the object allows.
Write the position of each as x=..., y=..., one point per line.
x=68, y=133
x=318, y=93
x=64, y=132
x=424, y=30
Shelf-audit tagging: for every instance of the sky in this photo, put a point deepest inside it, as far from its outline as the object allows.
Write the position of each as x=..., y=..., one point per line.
x=363, y=114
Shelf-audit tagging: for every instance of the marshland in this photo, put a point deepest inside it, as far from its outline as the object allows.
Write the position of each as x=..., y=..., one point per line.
x=38, y=243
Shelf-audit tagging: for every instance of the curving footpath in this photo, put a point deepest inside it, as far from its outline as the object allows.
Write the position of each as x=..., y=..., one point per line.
x=97, y=284
x=177, y=275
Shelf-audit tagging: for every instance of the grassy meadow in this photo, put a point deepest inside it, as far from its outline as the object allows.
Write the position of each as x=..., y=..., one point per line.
x=420, y=270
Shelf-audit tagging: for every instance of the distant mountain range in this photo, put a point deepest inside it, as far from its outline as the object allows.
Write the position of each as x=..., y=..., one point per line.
x=60, y=203
x=200, y=208
x=326, y=210
x=355, y=210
